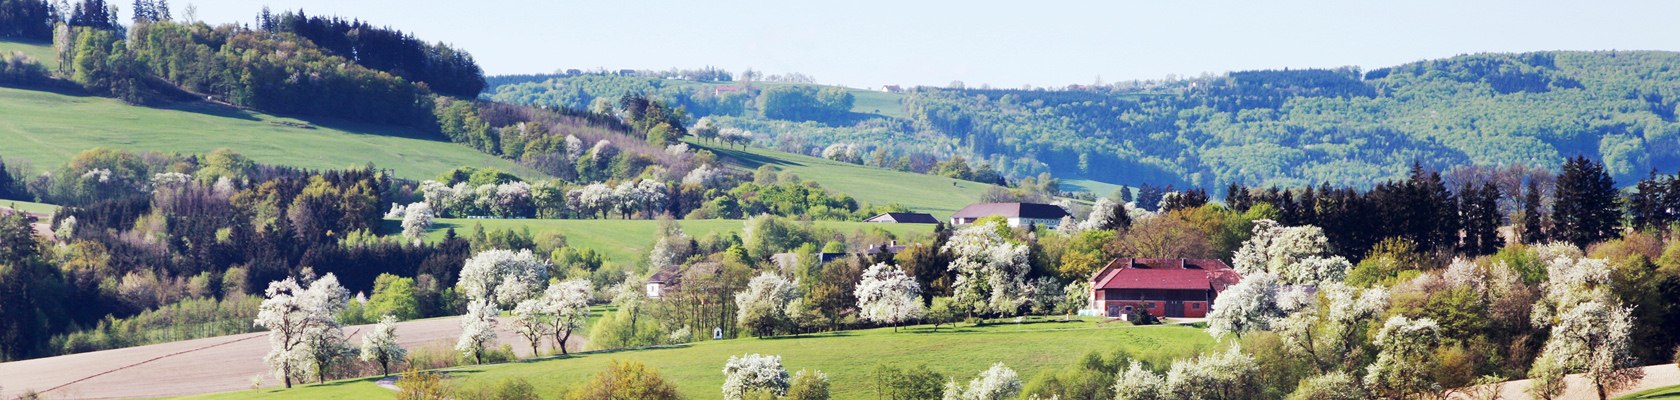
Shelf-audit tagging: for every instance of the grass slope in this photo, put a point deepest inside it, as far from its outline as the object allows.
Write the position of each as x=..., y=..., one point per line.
x=625, y=242
x=41, y=208
x=42, y=52
x=848, y=358
x=48, y=128
x=1671, y=392
x=937, y=195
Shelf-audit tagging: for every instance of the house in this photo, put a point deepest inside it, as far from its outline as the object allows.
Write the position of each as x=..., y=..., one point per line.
x=663, y=281
x=1165, y=287
x=1018, y=214
x=904, y=218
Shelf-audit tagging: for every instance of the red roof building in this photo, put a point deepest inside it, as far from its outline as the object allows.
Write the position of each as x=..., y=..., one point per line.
x=1165, y=287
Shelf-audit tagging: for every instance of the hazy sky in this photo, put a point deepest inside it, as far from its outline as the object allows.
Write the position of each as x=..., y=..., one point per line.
x=866, y=43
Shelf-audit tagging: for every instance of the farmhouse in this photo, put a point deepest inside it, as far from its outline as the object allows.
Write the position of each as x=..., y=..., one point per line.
x=1018, y=214
x=904, y=218
x=1165, y=287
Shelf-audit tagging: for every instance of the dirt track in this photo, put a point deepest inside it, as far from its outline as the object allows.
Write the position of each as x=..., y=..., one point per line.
x=1656, y=376
x=209, y=365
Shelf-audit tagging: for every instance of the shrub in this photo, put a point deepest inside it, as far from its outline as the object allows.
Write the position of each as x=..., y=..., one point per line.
x=918, y=382
x=626, y=380
x=507, y=389
x=416, y=385
x=808, y=385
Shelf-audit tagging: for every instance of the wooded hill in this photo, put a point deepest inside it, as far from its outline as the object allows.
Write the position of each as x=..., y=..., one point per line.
x=1260, y=128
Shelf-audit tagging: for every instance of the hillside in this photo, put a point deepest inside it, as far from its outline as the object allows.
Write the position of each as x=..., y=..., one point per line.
x=48, y=128
x=849, y=358
x=626, y=242
x=936, y=195
x=1260, y=128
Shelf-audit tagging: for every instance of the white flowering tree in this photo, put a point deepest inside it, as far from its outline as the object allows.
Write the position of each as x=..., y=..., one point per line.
x=379, y=345
x=1106, y=215
x=1299, y=255
x=1405, y=359
x=887, y=295
x=1075, y=296
x=1326, y=328
x=478, y=329
x=705, y=176
x=503, y=276
x=995, y=383
x=568, y=303
x=768, y=303
x=416, y=219
x=531, y=321
x=1591, y=331
x=1139, y=383
x=594, y=199
x=1249, y=305
x=753, y=373
x=1230, y=374
x=991, y=271
x=301, y=324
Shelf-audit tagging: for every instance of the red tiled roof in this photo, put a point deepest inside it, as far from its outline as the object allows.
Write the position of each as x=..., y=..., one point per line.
x=1165, y=274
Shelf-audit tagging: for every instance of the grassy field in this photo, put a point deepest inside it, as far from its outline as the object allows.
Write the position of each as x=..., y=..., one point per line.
x=41, y=208
x=1671, y=392
x=1101, y=189
x=626, y=241
x=847, y=357
x=48, y=128
x=42, y=52
x=937, y=195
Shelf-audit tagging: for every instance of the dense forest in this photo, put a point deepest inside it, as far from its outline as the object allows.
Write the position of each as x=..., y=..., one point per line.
x=1261, y=128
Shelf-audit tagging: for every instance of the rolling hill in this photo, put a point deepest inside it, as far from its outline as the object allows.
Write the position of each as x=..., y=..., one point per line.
x=47, y=128
x=937, y=195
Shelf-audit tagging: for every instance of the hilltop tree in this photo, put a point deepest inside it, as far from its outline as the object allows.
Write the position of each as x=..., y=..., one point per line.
x=1585, y=210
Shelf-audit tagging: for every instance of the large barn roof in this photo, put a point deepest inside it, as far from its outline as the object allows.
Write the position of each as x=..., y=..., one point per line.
x=1165, y=274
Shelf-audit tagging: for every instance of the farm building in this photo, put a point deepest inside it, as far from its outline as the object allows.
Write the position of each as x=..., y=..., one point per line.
x=1018, y=214
x=1165, y=287
x=904, y=218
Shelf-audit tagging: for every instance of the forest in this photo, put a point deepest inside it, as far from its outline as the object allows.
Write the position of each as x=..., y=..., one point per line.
x=1259, y=128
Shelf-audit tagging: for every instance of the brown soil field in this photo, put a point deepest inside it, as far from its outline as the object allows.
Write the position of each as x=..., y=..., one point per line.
x=217, y=364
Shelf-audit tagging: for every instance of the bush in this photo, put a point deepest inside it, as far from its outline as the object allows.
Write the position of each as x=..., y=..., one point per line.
x=908, y=384
x=808, y=385
x=626, y=380
x=416, y=385
x=507, y=389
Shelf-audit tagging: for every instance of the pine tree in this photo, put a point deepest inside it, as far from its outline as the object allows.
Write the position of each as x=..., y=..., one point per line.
x=6, y=183
x=1585, y=210
x=1533, y=231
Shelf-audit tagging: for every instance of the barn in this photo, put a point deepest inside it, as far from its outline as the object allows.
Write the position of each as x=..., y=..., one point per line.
x=1165, y=287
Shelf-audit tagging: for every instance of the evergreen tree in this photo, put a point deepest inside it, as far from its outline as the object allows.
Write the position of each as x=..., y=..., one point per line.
x=1585, y=209
x=6, y=183
x=1236, y=196
x=1533, y=231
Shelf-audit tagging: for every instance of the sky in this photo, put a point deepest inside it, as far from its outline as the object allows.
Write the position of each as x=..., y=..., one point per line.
x=869, y=43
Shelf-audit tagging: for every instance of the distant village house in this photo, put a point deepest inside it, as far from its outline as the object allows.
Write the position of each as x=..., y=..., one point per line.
x=904, y=218
x=1018, y=214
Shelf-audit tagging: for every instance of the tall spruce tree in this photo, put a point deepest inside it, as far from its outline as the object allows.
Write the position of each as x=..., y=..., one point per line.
x=1533, y=229
x=1585, y=210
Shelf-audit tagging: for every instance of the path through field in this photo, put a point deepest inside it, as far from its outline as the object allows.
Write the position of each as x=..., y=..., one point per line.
x=209, y=365
x=1656, y=376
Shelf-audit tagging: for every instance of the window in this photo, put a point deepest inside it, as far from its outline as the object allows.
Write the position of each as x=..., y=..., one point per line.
x=1195, y=306
x=1150, y=305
